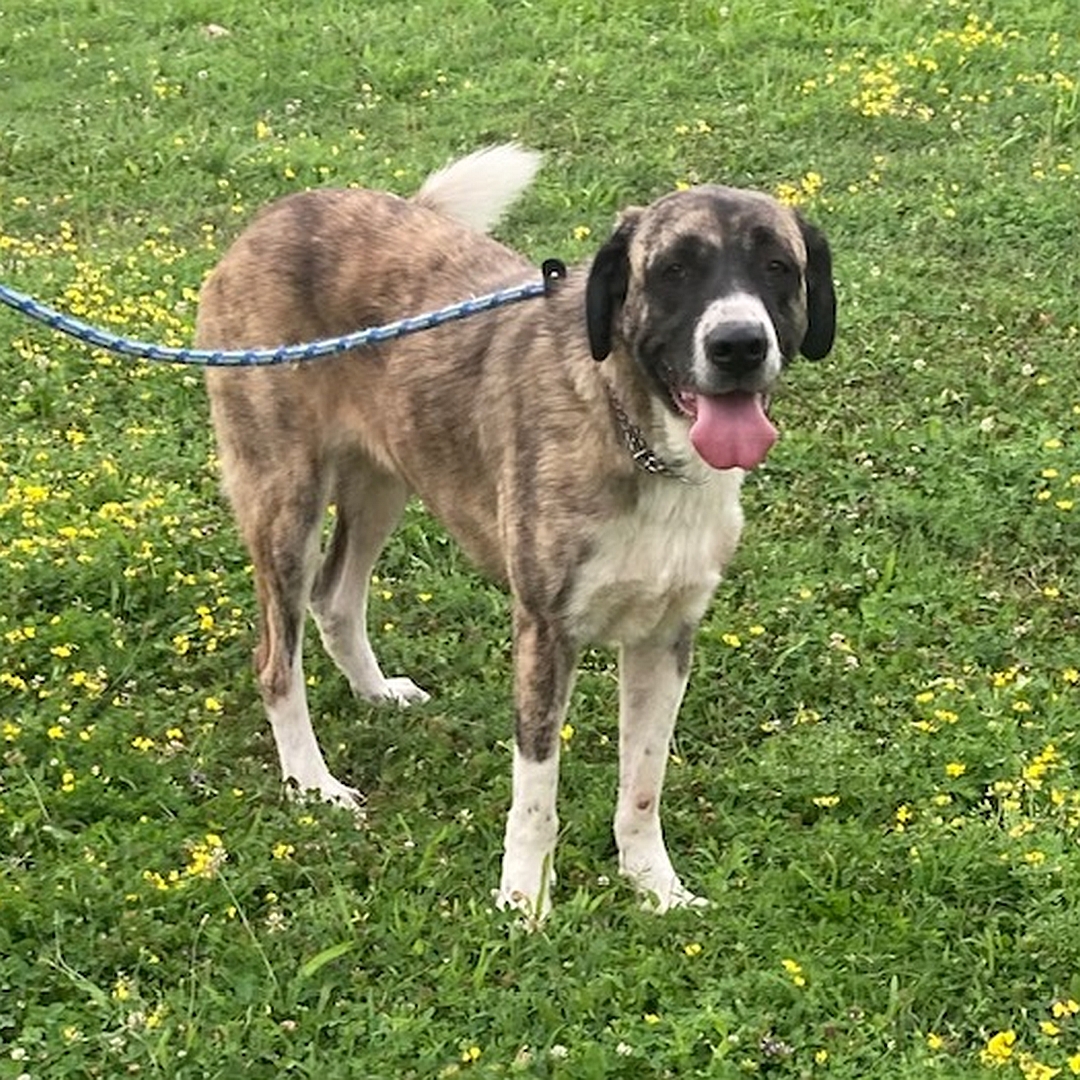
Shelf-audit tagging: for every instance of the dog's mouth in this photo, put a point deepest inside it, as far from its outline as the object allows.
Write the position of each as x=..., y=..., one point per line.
x=728, y=430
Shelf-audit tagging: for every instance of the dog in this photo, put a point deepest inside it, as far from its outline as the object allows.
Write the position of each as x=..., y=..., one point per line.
x=585, y=449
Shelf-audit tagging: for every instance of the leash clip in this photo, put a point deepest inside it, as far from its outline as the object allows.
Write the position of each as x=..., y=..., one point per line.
x=554, y=272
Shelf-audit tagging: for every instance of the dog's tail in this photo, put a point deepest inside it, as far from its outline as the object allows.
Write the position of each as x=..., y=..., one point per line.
x=480, y=188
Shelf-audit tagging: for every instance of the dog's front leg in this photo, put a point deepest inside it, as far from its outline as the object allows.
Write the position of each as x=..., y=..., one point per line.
x=544, y=660
x=652, y=678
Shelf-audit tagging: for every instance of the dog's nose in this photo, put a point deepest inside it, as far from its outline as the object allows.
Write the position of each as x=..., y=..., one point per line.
x=737, y=347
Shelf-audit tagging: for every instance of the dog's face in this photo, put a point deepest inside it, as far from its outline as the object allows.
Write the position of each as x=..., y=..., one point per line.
x=713, y=291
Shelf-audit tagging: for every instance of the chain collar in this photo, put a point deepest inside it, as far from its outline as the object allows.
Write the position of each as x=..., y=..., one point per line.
x=641, y=453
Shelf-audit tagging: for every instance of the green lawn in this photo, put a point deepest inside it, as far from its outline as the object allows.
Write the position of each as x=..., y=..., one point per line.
x=877, y=775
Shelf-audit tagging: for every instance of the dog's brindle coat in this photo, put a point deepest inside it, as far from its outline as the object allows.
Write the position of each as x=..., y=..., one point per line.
x=515, y=438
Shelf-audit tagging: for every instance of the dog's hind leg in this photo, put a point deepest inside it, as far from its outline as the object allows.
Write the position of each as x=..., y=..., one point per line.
x=282, y=535
x=369, y=504
x=652, y=679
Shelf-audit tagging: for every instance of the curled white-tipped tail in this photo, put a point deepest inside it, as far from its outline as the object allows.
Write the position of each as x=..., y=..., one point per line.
x=480, y=188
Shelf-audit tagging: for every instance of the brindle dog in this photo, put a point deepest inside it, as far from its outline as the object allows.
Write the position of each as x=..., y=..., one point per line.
x=605, y=495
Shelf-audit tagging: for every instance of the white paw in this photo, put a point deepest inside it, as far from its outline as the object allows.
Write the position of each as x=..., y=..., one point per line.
x=656, y=882
x=529, y=894
x=330, y=790
x=533, y=910
x=670, y=895
x=400, y=691
x=405, y=692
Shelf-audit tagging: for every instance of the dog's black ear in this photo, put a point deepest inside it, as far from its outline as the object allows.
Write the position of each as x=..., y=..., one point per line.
x=820, y=294
x=606, y=288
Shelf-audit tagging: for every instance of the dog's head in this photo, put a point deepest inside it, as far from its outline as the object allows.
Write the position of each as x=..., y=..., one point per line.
x=712, y=291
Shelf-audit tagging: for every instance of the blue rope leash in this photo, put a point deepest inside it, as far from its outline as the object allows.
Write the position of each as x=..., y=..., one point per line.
x=553, y=272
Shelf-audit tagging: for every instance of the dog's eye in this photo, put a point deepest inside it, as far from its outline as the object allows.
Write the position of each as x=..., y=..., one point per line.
x=673, y=272
x=779, y=268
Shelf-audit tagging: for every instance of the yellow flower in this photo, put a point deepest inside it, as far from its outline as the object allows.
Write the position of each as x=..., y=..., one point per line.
x=205, y=859
x=999, y=1048
x=1048, y=1027
x=211, y=704
x=788, y=194
x=1063, y=1009
x=1035, y=1070
x=825, y=802
x=156, y=1015
x=692, y=948
x=795, y=971
x=934, y=1041
x=811, y=184
x=281, y=850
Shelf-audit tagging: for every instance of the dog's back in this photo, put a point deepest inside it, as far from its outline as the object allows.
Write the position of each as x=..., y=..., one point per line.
x=303, y=268
x=327, y=262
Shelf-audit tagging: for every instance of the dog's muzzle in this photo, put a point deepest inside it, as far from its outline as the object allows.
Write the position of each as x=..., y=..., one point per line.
x=736, y=349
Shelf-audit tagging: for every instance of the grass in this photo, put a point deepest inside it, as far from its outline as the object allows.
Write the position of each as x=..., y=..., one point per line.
x=877, y=776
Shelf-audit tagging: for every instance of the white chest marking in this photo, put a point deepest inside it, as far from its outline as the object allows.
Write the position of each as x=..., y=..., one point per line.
x=653, y=570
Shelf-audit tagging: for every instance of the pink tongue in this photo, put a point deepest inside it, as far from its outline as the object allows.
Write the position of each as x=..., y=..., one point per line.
x=732, y=430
